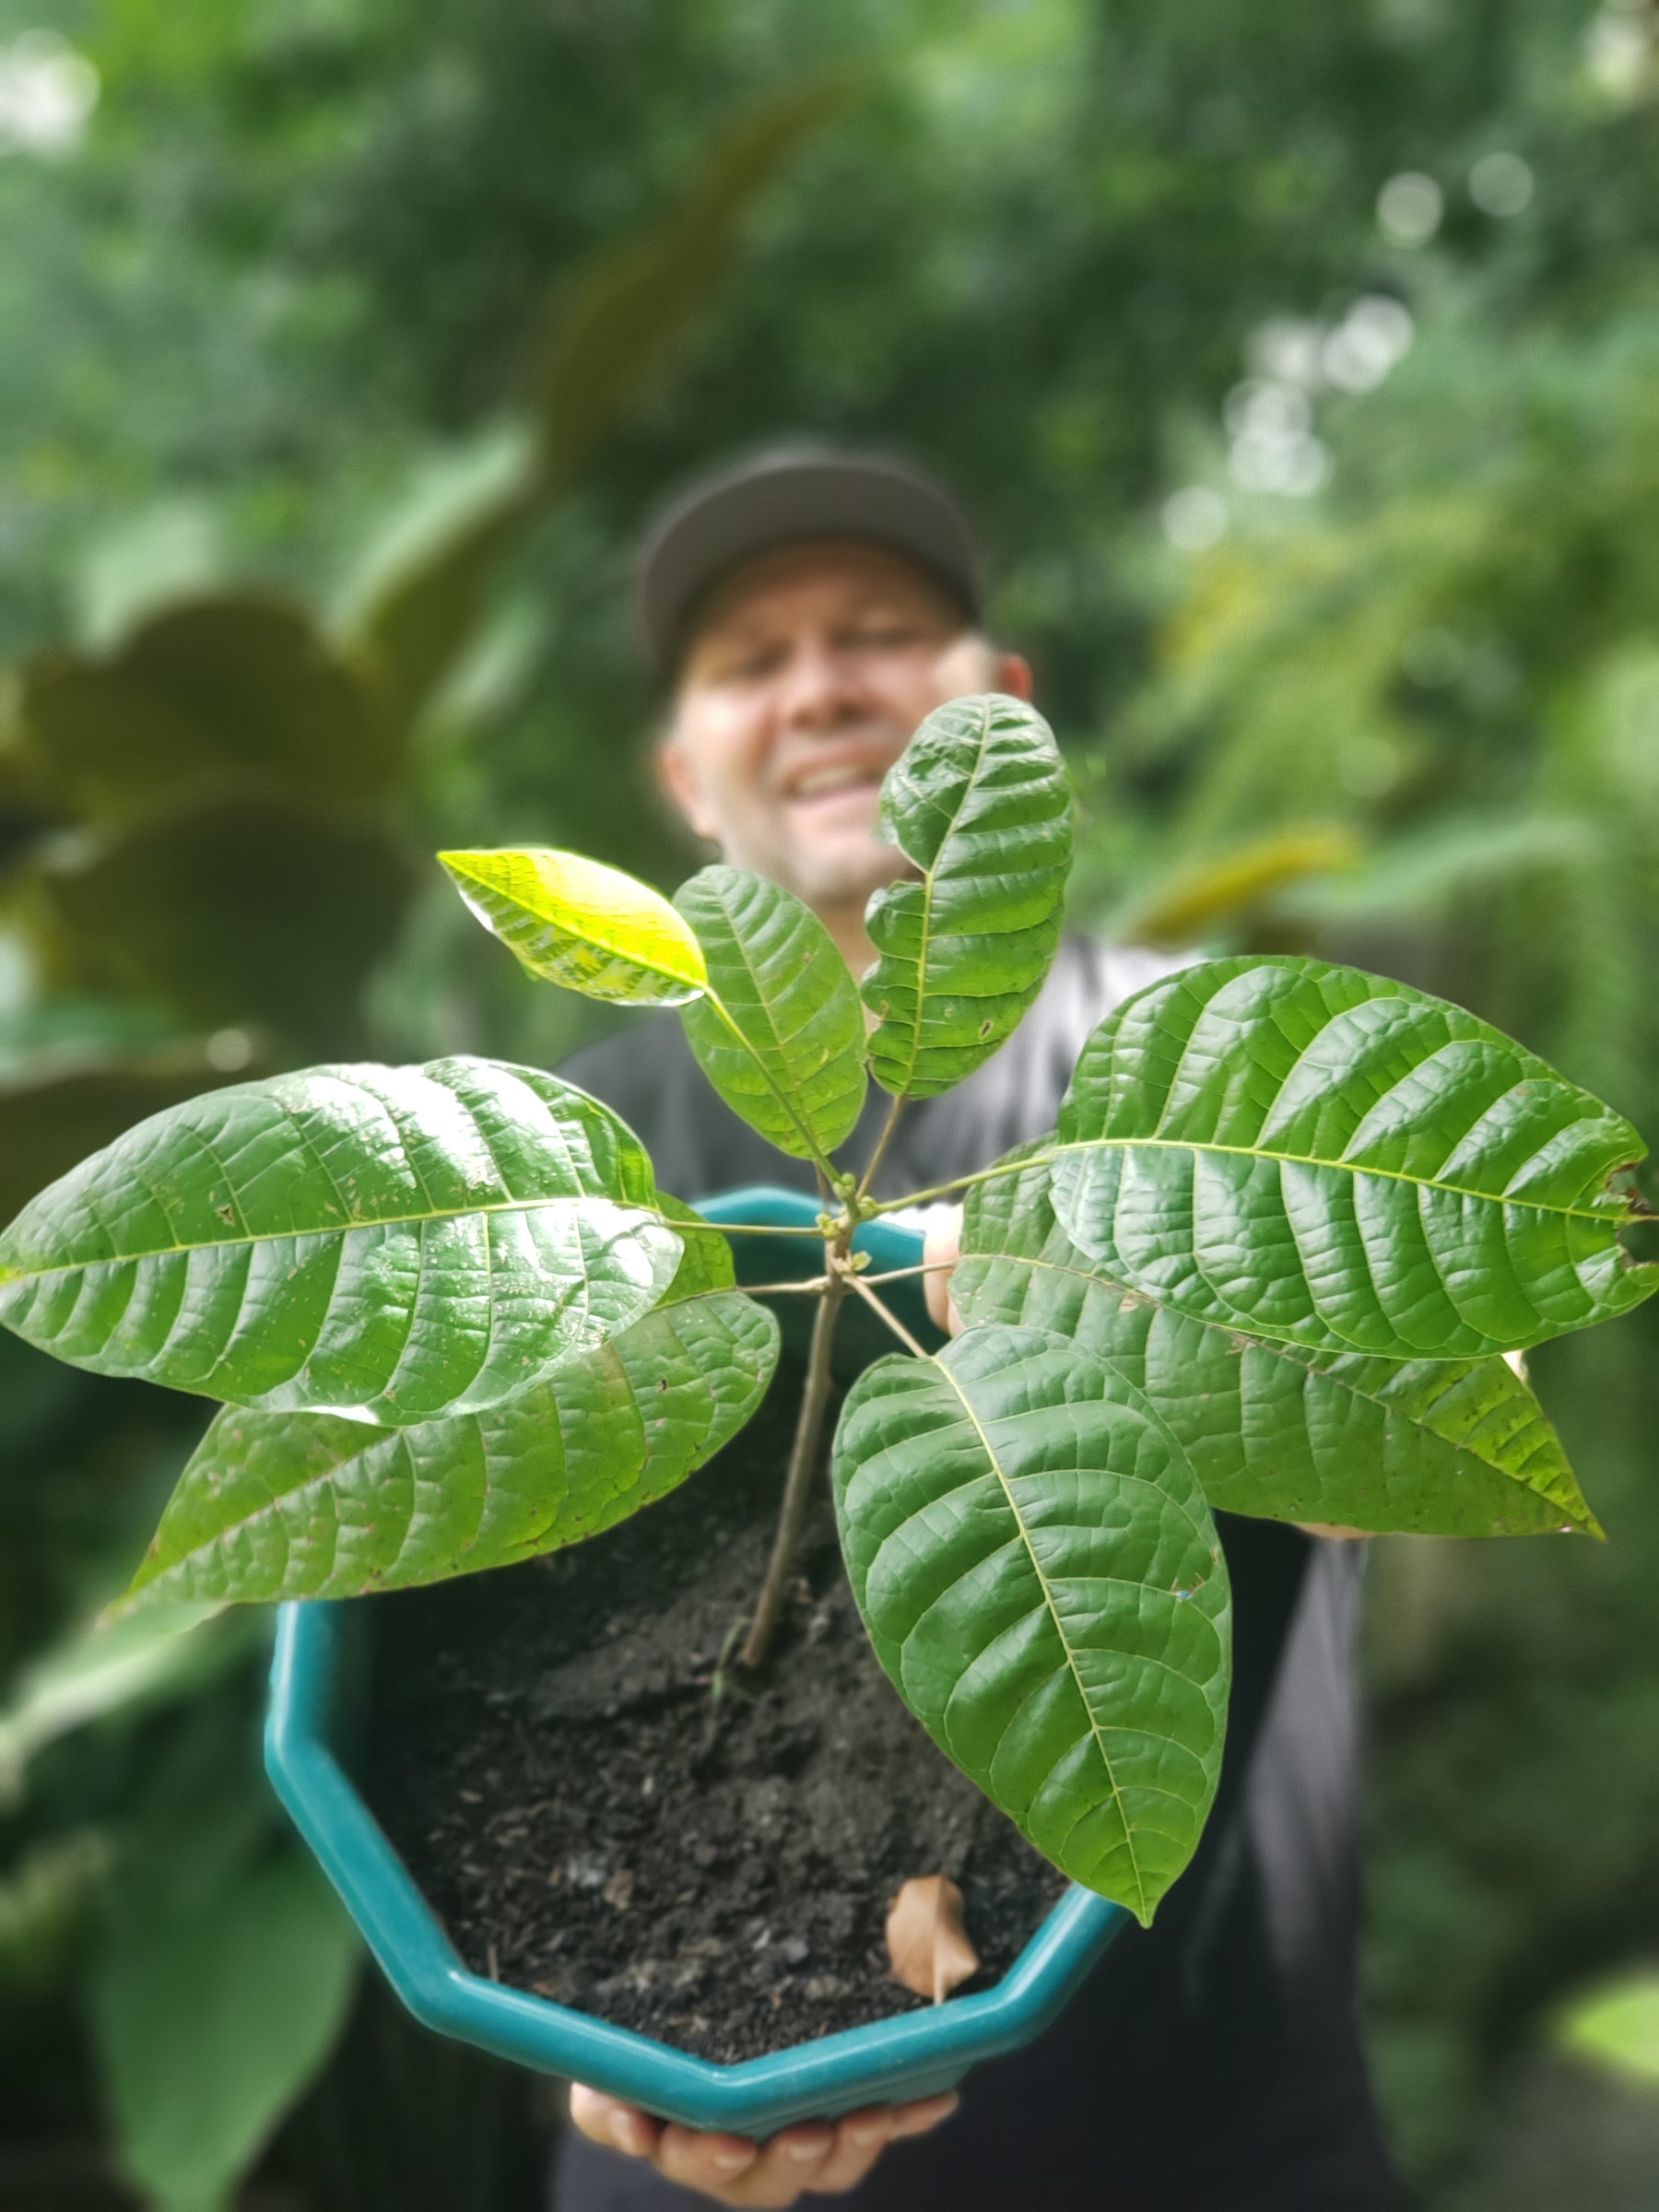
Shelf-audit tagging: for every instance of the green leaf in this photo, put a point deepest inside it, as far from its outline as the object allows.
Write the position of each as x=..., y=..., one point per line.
x=60, y=1101
x=1195, y=900
x=574, y=922
x=1305, y=1152
x=229, y=684
x=981, y=803
x=233, y=907
x=46, y=1900
x=630, y=305
x=108, y=1669
x=616, y=323
x=278, y=1505
x=1442, y=1447
x=1041, y=1580
x=420, y=593
x=394, y=1241
x=781, y=983
x=212, y=2020
x=1616, y=2026
x=706, y=1261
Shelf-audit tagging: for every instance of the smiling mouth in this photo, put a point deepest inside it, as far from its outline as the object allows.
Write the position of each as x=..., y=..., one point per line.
x=833, y=782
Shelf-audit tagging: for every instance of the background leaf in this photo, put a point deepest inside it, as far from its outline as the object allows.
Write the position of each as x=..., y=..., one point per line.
x=399, y=1241
x=99, y=1671
x=308, y=1505
x=1307, y=1152
x=777, y=973
x=573, y=921
x=235, y=908
x=229, y=685
x=1442, y=1447
x=212, y=2023
x=617, y=323
x=981, y=802
x=1041, y=1580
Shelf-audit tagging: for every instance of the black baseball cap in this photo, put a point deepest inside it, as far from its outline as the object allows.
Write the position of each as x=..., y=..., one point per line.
x=774, y=498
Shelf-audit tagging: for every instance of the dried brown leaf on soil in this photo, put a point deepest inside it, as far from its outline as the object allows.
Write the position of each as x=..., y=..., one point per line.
x=927, y=1941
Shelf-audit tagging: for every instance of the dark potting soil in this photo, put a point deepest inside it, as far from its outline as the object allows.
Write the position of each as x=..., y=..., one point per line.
x=591, y=1823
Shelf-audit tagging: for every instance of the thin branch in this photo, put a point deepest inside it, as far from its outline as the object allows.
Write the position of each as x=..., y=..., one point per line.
x=888, y=1128
x=887, y=1315
x=961, y=1182
x=899, y=1275
x=762, y=1229
x=797, y=1483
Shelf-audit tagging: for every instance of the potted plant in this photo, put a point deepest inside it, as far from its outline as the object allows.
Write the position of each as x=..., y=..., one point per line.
x=1291, y=1221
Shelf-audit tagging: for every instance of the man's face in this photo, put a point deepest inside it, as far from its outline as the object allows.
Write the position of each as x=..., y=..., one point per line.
x=807, y=674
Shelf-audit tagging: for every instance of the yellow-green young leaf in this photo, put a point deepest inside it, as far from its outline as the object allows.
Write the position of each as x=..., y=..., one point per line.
x=980, y=803
x=794, y=1069
x=1435, y=1447
x=1303, y=1151
x=1194, y=900
x=1043, y=1584
x=397, y=1241
x=575, y=921
x=279, y=1505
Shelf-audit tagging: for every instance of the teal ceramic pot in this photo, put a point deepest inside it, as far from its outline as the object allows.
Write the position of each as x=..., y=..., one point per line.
x=317, y=1682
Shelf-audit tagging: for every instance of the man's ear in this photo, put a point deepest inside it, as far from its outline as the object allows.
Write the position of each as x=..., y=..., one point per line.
x=1012, y=674
x=676, y=778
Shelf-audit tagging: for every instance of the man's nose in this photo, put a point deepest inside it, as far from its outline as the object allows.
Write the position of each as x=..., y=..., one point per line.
x=821, y=688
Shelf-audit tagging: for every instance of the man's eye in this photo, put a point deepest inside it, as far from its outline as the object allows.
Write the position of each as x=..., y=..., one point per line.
x=750, y=667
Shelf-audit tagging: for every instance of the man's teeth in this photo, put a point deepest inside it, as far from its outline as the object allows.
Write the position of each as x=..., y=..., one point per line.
x=830, y=778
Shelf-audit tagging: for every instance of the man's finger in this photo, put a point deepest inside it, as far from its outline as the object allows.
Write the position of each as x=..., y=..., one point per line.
x=924, y=2114
x=609, y=2121
x=714, y=2163
x=941, y=1249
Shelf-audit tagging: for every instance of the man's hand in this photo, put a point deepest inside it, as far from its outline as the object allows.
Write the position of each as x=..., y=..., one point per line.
x=941, y=1249
x=820, y=2158
x=940, y=1253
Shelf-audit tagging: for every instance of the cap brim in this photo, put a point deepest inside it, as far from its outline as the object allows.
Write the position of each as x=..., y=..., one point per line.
x=777, y=498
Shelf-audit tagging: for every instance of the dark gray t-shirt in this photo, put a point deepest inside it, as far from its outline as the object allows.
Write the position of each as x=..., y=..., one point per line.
x=1212, y=2062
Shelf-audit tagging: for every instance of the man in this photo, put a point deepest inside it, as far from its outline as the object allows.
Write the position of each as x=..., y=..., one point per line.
x=804, y=612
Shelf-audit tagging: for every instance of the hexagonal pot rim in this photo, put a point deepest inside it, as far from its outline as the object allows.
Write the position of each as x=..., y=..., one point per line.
x=913, y=2055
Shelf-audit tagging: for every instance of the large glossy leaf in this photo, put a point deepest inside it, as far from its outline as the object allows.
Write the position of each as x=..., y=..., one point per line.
x=574, y=922
x=308, y=1505
x=1306, y=1152
x=980, y=803
x=1041, y=1580
x=231, y=684
x=795, y=1068
x=1442, y=1447
x=397, y=1240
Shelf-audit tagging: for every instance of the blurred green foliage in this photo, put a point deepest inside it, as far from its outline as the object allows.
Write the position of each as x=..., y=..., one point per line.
x=348, y=347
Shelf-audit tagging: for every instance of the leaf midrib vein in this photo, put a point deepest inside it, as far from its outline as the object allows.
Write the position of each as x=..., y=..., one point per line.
x=339, y=1229
x=929, y=876
x=1053, y=1612
x=1302, y=1160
